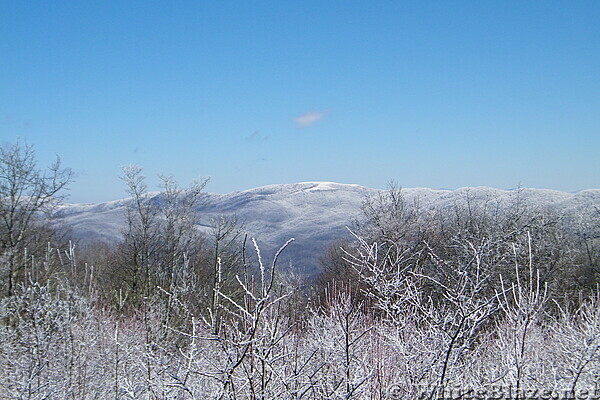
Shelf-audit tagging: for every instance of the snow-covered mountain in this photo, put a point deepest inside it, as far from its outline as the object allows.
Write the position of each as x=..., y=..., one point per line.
x=314, y=213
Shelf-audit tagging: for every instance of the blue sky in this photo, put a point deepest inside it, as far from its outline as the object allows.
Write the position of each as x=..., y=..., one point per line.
x=435, y=94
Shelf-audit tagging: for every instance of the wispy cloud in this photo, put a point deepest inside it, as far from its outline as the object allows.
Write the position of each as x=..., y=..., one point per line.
x=256, y=137
x=310, y=118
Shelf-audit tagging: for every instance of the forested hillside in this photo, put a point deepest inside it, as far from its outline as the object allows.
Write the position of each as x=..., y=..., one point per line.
x=315, y=213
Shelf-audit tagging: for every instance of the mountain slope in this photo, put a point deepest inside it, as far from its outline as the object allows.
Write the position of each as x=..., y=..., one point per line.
x=314, y=213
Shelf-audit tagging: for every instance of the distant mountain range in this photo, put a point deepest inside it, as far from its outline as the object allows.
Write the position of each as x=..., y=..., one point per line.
x=314, y=213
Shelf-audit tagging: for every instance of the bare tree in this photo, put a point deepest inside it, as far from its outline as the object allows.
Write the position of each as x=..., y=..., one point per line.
x=226, y=261
x=160, y=231
x=522, y=312
x=140, y=242
x=27, y=195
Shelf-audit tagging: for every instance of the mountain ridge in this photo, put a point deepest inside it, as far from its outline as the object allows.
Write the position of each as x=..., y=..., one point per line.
x=314, y=213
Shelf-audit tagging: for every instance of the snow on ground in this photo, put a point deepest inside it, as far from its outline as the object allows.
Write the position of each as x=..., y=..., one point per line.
x=314, y=213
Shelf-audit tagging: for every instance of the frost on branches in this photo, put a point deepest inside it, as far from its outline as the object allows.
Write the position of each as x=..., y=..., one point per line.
x=405, y=329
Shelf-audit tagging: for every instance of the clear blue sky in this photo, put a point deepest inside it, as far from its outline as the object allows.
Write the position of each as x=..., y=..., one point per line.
x=249, y=93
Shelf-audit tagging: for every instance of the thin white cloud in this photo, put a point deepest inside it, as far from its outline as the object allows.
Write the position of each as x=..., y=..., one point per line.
x=310, y=118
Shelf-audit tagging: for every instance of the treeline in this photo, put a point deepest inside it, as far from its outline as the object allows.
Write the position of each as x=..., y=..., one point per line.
x=482, y=298
x=483, y=238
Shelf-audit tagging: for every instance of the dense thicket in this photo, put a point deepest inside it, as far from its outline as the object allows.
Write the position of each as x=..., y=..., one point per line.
x=483, y=238
x=481, y=299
